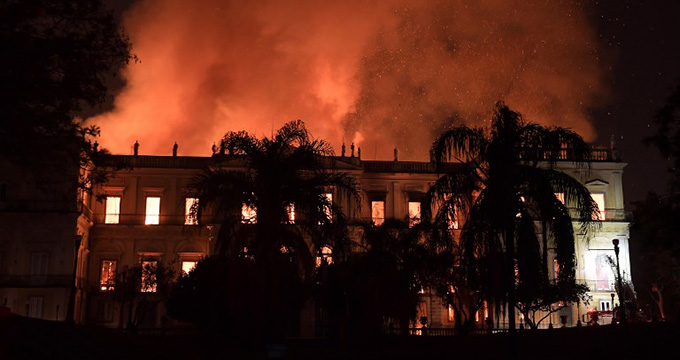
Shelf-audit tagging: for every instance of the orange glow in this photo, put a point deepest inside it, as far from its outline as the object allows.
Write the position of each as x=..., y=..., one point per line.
x=379, y=73
x=149, y=276
x=107, y=279
x=378, y=212
x=248, y=214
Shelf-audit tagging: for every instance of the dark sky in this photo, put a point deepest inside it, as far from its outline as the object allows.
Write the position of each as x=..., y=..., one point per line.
x=640, y=52
x=641, y=41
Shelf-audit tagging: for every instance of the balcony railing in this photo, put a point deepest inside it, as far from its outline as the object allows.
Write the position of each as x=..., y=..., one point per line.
x=36, y=281
x=442, y=331
x=139, y=219
x=595, y=285
x=568, y=155
x=609, y=214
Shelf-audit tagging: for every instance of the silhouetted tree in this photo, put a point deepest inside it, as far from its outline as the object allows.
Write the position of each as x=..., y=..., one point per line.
x=57, y=56
x=655, y=255
x=253, y=206
x=667, y=137
x=141, y=288
x=509, y=170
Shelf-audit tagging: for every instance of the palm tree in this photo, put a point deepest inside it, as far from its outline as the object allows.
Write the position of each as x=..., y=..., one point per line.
x=278, y=182
x=269, y=198
x=506, y=184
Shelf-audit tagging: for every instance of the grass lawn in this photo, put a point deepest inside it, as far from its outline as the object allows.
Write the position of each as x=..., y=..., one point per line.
x=22, y=338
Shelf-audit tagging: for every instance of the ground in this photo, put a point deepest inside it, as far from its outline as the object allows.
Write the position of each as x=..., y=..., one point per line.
x=22, y=338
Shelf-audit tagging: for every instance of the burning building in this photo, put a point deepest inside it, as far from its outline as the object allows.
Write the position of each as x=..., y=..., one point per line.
x=144, y=218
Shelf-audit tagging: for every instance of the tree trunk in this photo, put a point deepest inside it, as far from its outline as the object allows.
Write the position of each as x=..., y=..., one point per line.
x=659, y=302
x=510, y=258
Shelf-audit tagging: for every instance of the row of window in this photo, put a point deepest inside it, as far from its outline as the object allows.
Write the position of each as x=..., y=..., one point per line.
x=107, y=277
x=153, y=211
x=249, y=213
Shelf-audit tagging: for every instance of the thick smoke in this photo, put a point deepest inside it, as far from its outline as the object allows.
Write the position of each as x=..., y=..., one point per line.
x=383, y=74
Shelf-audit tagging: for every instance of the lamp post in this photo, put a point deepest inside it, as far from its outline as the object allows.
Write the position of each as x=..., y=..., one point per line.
x=622, y=300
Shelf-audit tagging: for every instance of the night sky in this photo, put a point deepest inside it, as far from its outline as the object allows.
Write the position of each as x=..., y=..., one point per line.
x=638, y=55
x=641, y=40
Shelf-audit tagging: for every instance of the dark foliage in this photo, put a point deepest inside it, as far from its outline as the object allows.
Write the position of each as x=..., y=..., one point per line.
x=655, y=254
x=265, y=265
x=379, y=285
x=667, y=137
x=508, y=185
x=56, y=58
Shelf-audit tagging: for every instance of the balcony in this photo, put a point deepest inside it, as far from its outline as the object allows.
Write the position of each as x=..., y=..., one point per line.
x=23, y=281
x=595, y=285
x=610, y=214
x=138, y=219
x=597, y=155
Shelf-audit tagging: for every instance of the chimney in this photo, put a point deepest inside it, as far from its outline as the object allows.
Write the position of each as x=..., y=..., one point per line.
x=174, y=149
x=136, y=148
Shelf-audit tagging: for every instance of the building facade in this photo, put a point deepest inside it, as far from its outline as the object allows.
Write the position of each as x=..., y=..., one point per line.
x=143, y=217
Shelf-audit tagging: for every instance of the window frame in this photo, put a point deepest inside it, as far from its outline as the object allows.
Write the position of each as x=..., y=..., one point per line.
x=190, y=219
x=110, y=285
x=152, y=219
x=109, y=217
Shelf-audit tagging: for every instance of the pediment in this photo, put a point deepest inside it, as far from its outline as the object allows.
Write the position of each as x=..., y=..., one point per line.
x=597, y=182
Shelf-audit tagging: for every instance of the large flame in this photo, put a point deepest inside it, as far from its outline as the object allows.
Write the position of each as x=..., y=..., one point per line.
x=383, y=74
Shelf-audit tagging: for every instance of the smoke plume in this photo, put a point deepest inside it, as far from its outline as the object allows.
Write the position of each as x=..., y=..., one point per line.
x=381, y=74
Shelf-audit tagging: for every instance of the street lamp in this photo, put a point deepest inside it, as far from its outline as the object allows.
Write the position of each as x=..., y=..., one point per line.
x=622, y=301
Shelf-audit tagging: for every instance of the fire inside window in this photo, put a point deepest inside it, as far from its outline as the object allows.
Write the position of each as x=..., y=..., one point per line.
x=327, y=208
x=248, y=214
x=290, y=212
x=599, y=200
x=153, y=210
x=188, y=266
x=149, y=283
x=378, y=212
x=189, y=215
x=325, y=255
x=107, y=279
x=560, y=197
x=112, y=210
x=413, y=213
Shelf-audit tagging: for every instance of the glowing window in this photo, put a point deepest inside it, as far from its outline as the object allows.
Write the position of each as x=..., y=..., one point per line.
x=599, y=200
x=112, y=210
x=560, y=197
x=107, y=279
x=190, y=206
x=453, y=220
x=290, y=211
x=327, y=208
x=325, y=255
x=153, y=210
x=451, y=315
x=378, y=212
x=149, y=283
x=188, y=266
x=603, y=273
x=413, y=212
x=556, y=268
x=248, y=214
